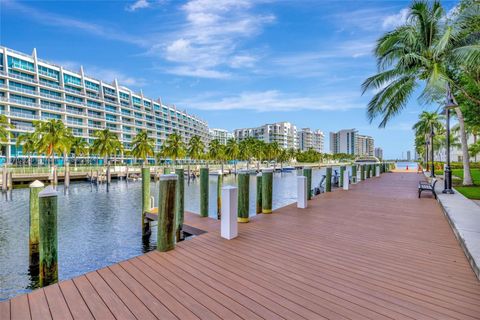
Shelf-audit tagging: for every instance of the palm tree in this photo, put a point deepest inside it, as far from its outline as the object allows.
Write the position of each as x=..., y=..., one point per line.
x=174, y=147
x=79, y=147
x=423, y=127
x=106, y=143
x=420, y=51
x=216, y=151
x=143, y=146
x=52, y=136
x=29, y=143
x=196, y=148
x=4, y=125
x=231, y=151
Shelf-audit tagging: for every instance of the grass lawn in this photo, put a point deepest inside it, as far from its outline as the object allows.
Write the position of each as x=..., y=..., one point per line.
x=472, y=192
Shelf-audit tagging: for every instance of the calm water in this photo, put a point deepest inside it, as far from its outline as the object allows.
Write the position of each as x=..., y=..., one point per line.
x=404, y=165
x=96, y=228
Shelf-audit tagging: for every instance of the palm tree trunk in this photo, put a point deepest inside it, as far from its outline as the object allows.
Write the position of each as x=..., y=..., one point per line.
x=467, y=177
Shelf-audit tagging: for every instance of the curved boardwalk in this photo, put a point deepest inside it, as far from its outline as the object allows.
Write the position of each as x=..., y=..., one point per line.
x=374, y=252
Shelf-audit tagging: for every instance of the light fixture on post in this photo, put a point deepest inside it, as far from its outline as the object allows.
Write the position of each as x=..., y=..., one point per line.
x=449, y=104
x=432, y=135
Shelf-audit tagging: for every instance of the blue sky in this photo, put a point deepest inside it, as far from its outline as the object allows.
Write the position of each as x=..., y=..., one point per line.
x=234, y=63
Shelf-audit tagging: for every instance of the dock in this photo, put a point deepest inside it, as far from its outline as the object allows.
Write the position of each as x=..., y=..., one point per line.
x=375, y=251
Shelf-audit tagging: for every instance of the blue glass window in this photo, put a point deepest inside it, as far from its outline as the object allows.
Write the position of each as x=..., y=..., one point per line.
x=92, y=85
x=48, y=72
x=21, y=64
x=69, y=79
x=50, y=92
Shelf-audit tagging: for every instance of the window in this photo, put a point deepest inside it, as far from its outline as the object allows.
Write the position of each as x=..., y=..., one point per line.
x=73, y=99
x=109, y=91
x=69, y=79
x=110, y=117
x=124, y=96
x=110, y=108
x=137, y=100
x=48, y=115
x=48, y=72
x=21, y=86
x=20, y=64
x=92, y=85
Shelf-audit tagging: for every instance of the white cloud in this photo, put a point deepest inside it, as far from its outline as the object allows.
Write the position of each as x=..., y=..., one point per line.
x=139, y=4
x=208, y=43
x=395, y=20
x=273, y=100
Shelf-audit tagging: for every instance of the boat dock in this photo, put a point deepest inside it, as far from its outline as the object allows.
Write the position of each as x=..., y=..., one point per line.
x=376, y=251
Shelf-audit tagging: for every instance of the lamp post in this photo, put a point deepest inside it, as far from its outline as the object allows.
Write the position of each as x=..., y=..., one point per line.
x=432, y=135
x=426, y=152
x=450, y=104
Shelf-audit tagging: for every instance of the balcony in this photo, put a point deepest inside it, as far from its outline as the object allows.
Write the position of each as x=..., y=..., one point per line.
x=19, y=77
x=47, y=107
x=23, y=115
x=27, y=91
x=22, y=102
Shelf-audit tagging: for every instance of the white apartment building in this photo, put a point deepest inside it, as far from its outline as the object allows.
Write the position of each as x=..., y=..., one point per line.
x=221, y=135
x=309, y=139
x=456, y=154
x=33, y=89
x=350, y=142
x=379, y=153
x=284, y=133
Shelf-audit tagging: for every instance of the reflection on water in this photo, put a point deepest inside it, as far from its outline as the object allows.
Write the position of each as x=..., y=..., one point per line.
x=96, y=228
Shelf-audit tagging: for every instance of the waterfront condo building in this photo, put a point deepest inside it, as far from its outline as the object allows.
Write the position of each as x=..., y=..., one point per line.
x=221, y=135
x=284, y=133
x=379, y=153
x=33, y=89
x=309, y=139
x=350, y=142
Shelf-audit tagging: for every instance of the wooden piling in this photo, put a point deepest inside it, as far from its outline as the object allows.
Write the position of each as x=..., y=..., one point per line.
x=180, y=199
x=243, y=197
x=368, y=171
x=66, y=177
x=307, y=172
x=4, y=178
x=219, y=194
x=340, y=180
x=267, y=189
x=34, y=237
x=109, y=174
x=328, y=179
x=204, y=192
x=166, y=212
x=145, y=200
x=55, y=176
x=48, y=236
x=10, y=180
x=259, y=194
x=354, y=173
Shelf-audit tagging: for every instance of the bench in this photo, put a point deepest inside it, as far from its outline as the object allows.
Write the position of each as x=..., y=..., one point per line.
x=426, y=186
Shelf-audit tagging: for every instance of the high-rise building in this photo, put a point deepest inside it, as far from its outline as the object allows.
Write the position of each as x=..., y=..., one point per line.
x=308, y=139
x=284, y=133
x=350, y=142
x=379, y=153
x=409, y=156
x=33, y=89
x=221, y=135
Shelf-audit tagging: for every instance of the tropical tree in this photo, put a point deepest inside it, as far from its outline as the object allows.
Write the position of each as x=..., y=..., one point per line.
x=4, y=125
x=105, y=144
x=232, y=151
x=423, y=127
x=215, y=150
x=422, y=51
x=143, y=146
x=174, y=147
x=29, y=142
x=52, y=137
x=196, y=148
x=79, y=147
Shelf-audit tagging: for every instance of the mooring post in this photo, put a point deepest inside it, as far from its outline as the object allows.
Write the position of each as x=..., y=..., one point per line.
x=35, y=188
x=145, y=199
x=346, y=180
x=204, y=192
x=328, y=179
x=219, y=194
x=109, y=174
x=166, y=212
x=55, y=176
x=4, y=178
x=229, y=224
x=340, y=180
x=259, y=194
x=48, y=236
x=367, y=171
x=354, y=174
x=66, y=176
x=10, y=180
x=302, y=191
x=243, y=197
x=267, y=189
x=377, y=170
x=307, y=172
x=180, y=199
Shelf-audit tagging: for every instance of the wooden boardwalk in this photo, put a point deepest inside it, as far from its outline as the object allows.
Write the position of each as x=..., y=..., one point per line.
x=374, y=252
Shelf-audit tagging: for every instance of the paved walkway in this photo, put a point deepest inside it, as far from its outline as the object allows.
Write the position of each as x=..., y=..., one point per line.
x=374, y=252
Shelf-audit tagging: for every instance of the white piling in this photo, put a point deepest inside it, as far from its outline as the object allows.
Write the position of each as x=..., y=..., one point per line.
x=229, y=224
x=377, y=170
x=302, y=192
x=346, y=180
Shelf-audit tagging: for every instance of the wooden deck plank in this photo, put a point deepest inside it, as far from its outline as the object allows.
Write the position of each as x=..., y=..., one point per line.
x=39, y=309
x=373, y=252
x=19, y=308
x=5, y=310
x=74, y=300
x=57, y=304
x=95, y=304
